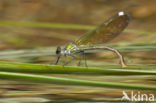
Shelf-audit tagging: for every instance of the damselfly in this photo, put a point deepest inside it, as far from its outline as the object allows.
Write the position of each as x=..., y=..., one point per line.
x=102, y=34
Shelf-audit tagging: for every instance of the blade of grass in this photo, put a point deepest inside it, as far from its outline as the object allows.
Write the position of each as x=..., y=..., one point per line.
x=140, y=32
x=27, y=52
x=45, y=25
x=107, y=70
x=76, y=82
x=62, y=26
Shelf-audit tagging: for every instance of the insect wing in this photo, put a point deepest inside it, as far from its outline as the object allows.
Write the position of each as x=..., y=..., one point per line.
x=106, y=31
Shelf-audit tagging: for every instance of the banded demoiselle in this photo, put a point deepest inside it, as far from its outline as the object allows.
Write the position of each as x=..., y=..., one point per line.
x=102, y=34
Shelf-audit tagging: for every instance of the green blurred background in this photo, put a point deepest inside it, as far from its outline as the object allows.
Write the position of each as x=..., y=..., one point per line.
x=29, y=34
x=69, y=12
x=16, y=14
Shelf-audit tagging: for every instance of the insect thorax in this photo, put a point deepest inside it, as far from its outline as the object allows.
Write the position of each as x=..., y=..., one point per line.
x=70, y=49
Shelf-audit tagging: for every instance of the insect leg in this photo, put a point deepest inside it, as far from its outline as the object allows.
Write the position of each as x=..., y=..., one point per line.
x=84, y=56
x=69, y=60
x=79, y=63
x=58, y=58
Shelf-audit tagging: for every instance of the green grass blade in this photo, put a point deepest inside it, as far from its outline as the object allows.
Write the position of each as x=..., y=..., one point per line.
x=45, y=25
x=107, y=70
x=62, y=26
x=67, y=81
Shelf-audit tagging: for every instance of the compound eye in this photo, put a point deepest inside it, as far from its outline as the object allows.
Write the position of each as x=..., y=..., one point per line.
x=58, y=50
